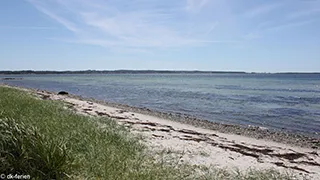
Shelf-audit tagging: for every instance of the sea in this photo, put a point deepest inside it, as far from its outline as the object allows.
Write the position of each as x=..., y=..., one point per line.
x=289, y=102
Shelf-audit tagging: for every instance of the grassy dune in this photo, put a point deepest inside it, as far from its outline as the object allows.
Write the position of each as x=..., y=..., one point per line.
x=46, y=141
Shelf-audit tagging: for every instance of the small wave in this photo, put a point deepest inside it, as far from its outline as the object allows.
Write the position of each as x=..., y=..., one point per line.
x=229, y=87
x=235, y=87
x=288, y=112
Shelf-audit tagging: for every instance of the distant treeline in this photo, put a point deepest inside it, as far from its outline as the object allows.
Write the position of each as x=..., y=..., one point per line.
x=114, y=72
x=140, y=72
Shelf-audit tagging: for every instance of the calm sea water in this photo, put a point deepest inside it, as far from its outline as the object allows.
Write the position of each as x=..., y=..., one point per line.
x=276, y=101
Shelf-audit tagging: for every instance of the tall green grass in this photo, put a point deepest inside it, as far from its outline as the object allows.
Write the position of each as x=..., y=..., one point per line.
x=25, y=151
x=46, y=141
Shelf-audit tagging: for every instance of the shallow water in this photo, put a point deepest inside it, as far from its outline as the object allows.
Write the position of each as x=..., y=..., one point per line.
x=277, y=101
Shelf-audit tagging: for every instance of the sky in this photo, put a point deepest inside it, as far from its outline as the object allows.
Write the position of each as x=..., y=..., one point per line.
x=214, y=35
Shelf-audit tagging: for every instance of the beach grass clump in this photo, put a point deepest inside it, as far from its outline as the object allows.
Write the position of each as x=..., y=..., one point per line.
x=23, y=150
x=46, y=140
x=43, y=139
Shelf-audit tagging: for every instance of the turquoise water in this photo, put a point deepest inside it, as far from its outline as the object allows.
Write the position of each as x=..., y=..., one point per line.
x=276, y=101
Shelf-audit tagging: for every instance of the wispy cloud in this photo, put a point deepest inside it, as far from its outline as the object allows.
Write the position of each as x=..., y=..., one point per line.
x=54, y=16
x=284, y=16
x=144, y=25
x=212, y=27
x=304, y=13
x=136, y=24
x=265, y=28
x=288, y=25
x=29, y=27
x=262, y=10
x=195, y=5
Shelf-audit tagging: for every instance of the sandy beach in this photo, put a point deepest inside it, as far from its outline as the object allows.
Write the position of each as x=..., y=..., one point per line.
x=200, y=144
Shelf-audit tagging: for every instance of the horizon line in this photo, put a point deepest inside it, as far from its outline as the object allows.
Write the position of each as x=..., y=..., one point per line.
x=149, y=70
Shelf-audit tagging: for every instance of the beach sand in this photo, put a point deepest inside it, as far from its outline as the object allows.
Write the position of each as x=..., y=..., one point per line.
x=200, y=145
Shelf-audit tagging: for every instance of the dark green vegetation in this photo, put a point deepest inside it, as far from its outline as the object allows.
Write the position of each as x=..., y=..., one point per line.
x=144, y=72
x=117, y=72
x=46, y=141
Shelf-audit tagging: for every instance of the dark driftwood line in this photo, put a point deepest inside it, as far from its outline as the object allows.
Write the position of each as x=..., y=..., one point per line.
x=10, y=78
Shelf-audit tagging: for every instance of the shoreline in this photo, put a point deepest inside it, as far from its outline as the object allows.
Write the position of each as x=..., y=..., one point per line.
x=275, y=135
x=282, y=136
x=198, y=144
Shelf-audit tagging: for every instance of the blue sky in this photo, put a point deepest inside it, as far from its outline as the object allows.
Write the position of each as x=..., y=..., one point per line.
x=229, y=35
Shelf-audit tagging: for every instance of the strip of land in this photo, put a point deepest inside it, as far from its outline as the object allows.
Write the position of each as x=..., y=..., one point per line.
x=143, y=72
x=203, y=146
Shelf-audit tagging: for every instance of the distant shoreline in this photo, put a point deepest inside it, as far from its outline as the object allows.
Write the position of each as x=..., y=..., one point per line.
x=143, y=72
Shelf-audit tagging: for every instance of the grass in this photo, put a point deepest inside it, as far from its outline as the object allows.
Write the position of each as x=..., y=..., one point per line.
x=46, y=141
x=25, y=151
